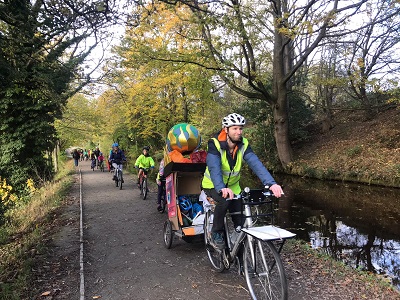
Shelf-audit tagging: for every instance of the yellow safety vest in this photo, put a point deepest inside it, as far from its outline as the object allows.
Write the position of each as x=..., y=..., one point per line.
x=230, y=176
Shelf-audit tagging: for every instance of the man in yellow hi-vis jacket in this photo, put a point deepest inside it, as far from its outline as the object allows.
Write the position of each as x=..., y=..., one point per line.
x=225, y=156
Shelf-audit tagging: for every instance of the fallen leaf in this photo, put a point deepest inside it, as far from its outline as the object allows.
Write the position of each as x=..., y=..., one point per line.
x=46, y=293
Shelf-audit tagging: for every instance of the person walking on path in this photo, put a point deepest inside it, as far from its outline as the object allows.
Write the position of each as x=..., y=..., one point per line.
x=76, y=156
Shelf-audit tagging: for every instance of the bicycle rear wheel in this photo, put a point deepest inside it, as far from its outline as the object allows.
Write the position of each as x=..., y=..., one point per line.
x=215, y=256
x=144, y=188
x=120, y=179
x=264, y=271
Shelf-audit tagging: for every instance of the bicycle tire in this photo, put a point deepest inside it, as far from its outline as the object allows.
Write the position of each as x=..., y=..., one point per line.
x=264, y=271
x=168, y=234
x=116, y=180
x=141, y=185
x=144, y=188
x=120, y=179
x=215, y=257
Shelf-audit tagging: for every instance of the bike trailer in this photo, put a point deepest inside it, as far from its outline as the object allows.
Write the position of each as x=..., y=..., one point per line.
x=185, y=211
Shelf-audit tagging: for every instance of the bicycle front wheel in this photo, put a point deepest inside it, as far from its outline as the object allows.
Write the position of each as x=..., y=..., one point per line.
x=215, y=256
x=116, y=179
x=264, y=272
x=120, y=179
x=144, y=188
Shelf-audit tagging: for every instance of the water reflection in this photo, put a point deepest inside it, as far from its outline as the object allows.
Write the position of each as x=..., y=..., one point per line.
x=357, y=224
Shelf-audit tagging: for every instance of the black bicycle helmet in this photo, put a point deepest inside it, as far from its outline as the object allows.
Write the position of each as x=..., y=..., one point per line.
x=146, y=148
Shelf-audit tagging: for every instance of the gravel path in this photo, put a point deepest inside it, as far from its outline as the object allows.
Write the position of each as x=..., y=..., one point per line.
x=125, y=258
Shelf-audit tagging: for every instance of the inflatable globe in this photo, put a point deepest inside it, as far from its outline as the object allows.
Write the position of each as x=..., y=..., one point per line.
x=184, y=138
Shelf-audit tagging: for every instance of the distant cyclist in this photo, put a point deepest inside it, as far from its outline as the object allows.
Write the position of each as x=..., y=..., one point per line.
x=144, y=161
x=100, y=158
x=97, y=153
x=117, y=157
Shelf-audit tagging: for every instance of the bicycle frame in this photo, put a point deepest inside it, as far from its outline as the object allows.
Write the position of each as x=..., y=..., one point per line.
x=143, y=175
x=142, y=178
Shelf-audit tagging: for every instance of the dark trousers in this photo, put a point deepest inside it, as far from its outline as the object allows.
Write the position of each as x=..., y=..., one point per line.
x=221, y=207
x=161, y=190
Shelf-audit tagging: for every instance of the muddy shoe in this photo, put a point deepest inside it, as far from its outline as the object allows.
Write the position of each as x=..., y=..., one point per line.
x=217, y=240
x=159, y=208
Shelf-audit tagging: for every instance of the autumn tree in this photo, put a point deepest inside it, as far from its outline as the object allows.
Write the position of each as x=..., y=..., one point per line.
x=265, y=44
x=372, y=53
x=81, y=123
x=153, y=88
x=42, y=45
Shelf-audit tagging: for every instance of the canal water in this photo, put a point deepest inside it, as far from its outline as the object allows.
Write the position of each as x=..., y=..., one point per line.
x=354, y=223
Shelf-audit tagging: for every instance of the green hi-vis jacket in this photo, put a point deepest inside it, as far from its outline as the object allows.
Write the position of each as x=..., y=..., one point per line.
x=145, y=162
x=230, y=173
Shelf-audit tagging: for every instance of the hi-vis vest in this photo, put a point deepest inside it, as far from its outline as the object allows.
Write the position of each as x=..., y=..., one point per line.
x=230, y=176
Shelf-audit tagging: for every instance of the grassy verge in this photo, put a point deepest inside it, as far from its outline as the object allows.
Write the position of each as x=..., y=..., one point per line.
x=21, y=238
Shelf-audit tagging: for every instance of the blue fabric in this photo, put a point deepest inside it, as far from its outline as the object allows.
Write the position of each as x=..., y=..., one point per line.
x=117, y=157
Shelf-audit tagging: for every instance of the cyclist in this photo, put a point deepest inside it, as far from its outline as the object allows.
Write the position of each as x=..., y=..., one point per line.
x=144, y=161
x=117, y=157
x=93, y=160
x=100, y=158
x=97, y=153
x=226, y=153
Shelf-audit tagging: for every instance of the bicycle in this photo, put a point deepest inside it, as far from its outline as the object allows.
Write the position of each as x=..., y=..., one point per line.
x=101, y=166
x=119, y=179
x=256, y=250
x=143, y=183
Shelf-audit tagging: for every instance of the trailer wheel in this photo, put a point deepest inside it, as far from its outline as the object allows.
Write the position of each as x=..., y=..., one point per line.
x=168, y=234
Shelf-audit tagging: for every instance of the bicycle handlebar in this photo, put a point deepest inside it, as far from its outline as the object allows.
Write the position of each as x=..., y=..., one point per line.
x=267, y=193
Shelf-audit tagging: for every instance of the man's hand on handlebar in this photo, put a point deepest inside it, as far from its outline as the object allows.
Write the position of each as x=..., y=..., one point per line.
x=227, y=193
x=276, y=189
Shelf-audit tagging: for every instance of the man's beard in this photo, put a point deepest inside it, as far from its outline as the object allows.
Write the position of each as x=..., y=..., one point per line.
x=235, y=141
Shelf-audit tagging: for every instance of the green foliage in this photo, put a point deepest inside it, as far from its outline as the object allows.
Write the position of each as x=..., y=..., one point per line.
x=261, y=128
x=354, y=151
x=158, y=89
x=310, y=172
x=37, y=66
x=300, y=115
x=331, y=173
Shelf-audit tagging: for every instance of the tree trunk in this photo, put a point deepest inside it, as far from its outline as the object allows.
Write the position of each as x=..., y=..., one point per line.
x=281, y=130
x=282, y=62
